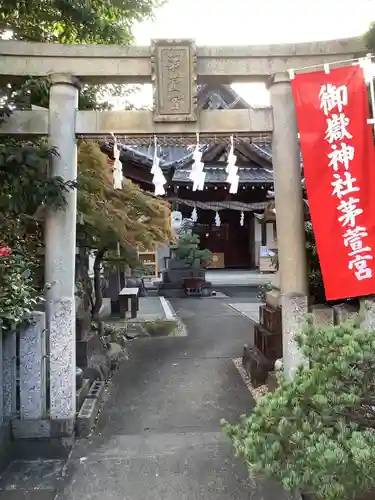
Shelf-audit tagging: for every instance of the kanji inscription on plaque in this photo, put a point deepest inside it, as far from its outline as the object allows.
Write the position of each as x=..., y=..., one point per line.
x=174, y=78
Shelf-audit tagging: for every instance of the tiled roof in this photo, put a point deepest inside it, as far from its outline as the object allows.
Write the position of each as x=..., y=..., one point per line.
x=171, y=156
x=178, y=156
x=215, y=174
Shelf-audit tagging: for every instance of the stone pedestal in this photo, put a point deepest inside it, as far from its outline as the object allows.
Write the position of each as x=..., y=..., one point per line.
x=294, y=311
x=343, y=313
x=60, y=255
x=323, y=315
x=259, y=360
x=173, y=284
x=367, y=313
x=33, y=368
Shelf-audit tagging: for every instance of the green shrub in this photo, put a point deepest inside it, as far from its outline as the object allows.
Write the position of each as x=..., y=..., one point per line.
x=18, y=295
x=188, y=249
x=316, y=433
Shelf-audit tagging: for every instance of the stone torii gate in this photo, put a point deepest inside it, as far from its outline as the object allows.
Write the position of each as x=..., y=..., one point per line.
x=173, y=67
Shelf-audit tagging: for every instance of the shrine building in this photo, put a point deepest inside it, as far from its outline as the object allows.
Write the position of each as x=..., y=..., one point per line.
x=229, y=225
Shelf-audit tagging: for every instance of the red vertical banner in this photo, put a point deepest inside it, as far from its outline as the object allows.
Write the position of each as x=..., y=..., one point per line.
x=339, y=165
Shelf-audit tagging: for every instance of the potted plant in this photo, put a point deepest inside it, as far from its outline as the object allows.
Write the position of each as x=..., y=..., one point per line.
x=316, y=433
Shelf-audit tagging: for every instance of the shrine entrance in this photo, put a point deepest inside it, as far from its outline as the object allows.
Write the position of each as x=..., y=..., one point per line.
x=175, y=68
x=231, y=249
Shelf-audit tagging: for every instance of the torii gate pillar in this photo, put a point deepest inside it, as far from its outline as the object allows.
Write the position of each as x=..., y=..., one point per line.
x=289, y=217
x=60, y=245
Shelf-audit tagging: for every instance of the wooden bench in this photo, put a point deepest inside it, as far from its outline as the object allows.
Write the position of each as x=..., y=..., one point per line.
x=126, y=296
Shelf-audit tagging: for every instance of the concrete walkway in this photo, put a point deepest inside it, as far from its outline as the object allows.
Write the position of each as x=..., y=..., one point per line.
x=238, y=277
x=248, y=309
x=158, y=437
x=150, y=309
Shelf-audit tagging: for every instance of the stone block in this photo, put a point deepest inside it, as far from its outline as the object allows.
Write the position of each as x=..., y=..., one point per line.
x=45, y=448
x=87, y=416
x=268, y=343
x=82, y=393
x=42, y=429
x=323, y=315
x=96, y=390
x=270, y=318
x=294, y=311
x=367, y=311
x=256, y=365
x=29, y=429
x=33, y=368
x=62, y=428
x=62, y=364
x=272, y=381
x=344, y=312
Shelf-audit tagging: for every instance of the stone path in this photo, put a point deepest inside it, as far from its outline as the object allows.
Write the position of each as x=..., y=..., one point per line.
x=158, y=437
x=230, y=277
x=150, y=309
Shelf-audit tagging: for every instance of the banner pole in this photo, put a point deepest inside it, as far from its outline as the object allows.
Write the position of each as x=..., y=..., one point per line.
x=345, y=62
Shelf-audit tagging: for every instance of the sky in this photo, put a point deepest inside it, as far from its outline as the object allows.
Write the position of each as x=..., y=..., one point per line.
x=248, y=22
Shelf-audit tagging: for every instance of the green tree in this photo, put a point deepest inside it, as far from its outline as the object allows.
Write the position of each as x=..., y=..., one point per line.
x=370, y=38
x=24, y=187
x=128, y=217
x=74, y=21
x=316, y=434
x=70, y=22
x=25, y=191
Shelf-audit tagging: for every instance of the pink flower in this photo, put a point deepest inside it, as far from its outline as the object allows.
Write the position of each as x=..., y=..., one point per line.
x=5, y=251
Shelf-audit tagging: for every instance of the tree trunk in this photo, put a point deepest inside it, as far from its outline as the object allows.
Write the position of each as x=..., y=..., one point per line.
x=97, y=283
